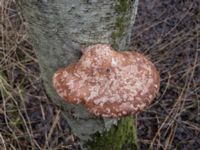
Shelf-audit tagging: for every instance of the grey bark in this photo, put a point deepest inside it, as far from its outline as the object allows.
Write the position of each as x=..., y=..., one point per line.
x=60, y=28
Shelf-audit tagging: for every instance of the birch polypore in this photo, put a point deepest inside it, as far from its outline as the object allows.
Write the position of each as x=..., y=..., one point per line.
x=109, y=83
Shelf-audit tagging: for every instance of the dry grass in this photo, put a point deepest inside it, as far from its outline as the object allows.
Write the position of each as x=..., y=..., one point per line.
x=170, y=36
x=29, y=121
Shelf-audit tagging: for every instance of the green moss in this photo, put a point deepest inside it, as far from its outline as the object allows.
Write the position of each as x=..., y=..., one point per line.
x=121, y=9
x=120, y=28
x=120, y=137
x=122, y=6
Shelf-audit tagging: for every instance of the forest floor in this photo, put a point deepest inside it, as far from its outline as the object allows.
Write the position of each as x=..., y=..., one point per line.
x=168, y=31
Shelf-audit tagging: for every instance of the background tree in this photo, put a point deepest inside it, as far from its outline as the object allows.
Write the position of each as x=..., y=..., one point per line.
x=59, y=29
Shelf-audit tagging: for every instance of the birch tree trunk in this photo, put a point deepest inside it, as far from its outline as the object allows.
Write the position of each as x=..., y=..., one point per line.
x=59, y=29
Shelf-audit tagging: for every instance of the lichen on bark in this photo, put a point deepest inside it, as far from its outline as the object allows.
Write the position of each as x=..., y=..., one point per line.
x=126, y=13
x=122, y=7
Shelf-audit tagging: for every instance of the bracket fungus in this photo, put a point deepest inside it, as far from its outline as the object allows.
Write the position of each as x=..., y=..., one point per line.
x=109, y=83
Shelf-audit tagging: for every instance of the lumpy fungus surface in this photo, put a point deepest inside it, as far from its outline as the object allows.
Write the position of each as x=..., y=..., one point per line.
x=109, y=83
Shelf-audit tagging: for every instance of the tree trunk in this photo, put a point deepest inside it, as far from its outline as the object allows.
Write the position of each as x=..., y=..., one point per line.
x=59, y=29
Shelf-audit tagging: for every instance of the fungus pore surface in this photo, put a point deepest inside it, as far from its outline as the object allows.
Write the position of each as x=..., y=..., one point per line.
x=109, y=83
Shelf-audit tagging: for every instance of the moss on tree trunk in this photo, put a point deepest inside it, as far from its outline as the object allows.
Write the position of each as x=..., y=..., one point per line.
x=120, y=137
x=59, y=29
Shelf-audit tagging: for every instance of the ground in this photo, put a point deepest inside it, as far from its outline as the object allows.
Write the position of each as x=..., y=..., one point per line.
x=167, y=31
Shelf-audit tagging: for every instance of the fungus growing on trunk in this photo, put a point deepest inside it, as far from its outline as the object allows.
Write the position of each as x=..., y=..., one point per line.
x=109, y=83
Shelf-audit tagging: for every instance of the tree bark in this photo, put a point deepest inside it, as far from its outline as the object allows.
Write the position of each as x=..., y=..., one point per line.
x=59, y=29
